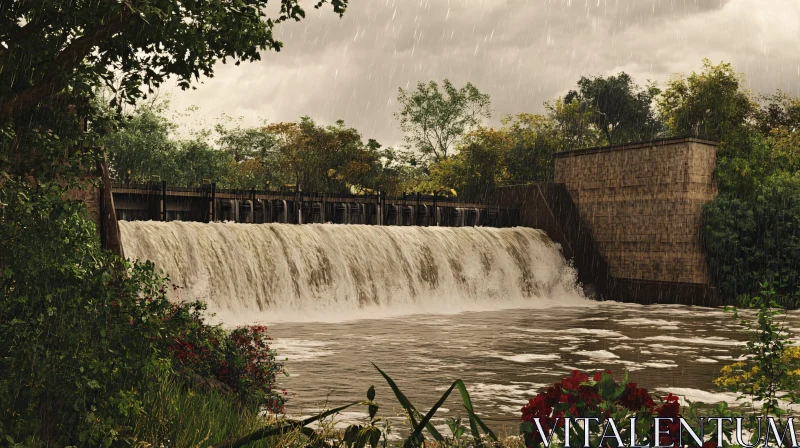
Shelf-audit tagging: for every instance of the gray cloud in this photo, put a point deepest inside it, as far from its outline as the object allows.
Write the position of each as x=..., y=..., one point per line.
x=520, y=52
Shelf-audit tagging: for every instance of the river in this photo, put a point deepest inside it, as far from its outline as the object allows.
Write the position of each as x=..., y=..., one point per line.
x=497, y=308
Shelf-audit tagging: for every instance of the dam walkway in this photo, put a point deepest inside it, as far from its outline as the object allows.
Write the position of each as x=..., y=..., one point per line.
x=160, y=202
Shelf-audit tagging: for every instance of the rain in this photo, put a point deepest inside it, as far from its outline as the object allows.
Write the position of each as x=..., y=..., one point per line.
x=306, y=223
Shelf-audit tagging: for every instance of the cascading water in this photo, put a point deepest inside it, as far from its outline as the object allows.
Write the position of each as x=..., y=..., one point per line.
x=299, y=278
x=249, y=272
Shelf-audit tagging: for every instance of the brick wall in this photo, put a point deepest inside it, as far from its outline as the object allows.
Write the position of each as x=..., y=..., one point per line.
x=643, y=203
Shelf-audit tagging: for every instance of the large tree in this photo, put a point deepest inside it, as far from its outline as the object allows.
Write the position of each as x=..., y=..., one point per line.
x=141, y=148
x=534, y=139
x=620, y=109
x=324, y=159
x=55, y=54
x=711, y=104
x=572, y=125
x=435, y=119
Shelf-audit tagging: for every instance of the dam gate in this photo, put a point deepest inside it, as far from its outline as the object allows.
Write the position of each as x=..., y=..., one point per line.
x=160, y=202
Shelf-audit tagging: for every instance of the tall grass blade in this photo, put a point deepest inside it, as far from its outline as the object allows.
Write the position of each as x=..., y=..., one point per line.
x=409, y=407
x=473, y=418
x=425, y=420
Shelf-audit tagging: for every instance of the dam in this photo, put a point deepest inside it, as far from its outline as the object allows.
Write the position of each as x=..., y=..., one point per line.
x=502, y=307
x=628, y=217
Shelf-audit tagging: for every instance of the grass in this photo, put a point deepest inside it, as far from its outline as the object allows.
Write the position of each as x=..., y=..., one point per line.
x=180, y=417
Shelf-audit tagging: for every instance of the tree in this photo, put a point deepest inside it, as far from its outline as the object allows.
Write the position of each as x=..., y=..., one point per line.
x=245, y=143
x=710, y=104
x=198, y=161
x=778, y=111
x=755, y=239
x=478, y=167
x=434, y=119
x=483, y=153
x=141, y=148
x=324, y=159
x=573, y=125
x=619, y=108
x=534, y=140
x=56, y=54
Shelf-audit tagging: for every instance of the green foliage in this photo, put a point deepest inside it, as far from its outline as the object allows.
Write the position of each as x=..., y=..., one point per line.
x=323, y=159
x=476, y=169
x=358, y=436
x=534, y=139
x=573, y=125
x=109, y=37
x=285, y=426
x=176, y=414
x=753, y=239
x=141, y=148
x=618, y=108
x=772, y=371
x=416, y=438
x=709, y=104
x=56, y=55
x=78, y=339
x=778, y=111
x=434, y=119
x=83, y=334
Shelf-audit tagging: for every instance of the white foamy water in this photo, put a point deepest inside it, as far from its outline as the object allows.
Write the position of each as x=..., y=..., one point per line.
x=277, y=272
x=496, y=308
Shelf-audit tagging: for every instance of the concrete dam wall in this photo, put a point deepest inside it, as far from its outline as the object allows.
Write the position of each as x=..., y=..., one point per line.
x=631, y=217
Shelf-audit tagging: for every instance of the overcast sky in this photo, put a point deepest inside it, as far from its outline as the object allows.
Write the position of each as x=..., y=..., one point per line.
x=520, y=52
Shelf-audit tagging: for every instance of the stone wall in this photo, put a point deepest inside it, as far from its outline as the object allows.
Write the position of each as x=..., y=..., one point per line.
x=643, y=203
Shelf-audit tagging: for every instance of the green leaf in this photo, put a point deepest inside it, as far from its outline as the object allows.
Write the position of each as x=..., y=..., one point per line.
x=410, y=410
x=422, y=423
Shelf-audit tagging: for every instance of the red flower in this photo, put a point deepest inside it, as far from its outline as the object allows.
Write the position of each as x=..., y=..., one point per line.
x=634, y=398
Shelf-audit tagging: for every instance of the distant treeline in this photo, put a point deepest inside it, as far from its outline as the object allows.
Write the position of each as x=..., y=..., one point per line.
x=752, y=230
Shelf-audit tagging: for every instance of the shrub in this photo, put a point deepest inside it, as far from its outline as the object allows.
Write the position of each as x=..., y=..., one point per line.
x=772, y=366
x=752, y=239
x=239, y=361
x=83, y=334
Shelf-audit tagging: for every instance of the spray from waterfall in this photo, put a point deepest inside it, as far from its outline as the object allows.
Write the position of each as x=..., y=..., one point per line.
x=276, y=272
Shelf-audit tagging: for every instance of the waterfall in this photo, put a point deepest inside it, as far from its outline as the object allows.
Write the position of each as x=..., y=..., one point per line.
x=247, y=272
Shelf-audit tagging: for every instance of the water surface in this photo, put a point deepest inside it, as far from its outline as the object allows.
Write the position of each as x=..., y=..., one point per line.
x=506, y=356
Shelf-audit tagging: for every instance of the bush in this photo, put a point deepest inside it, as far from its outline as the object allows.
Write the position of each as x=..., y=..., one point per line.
x=770, y=373
x=752, y=239
x=83, y=334
x=239, y=361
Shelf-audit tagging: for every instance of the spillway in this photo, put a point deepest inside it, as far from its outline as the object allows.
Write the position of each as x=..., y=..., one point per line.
x=248, y=272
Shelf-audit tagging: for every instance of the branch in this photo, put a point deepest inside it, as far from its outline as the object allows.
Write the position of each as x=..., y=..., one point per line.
x=54, y=82
x=26, y=30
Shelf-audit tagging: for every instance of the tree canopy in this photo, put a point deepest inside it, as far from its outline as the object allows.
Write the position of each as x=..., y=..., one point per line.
x=618, y=107
x=54, y=55
x=710, y=104
x=435, y=119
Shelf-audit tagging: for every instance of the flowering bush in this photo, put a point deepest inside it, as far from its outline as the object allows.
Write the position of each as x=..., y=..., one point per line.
x=84, y=335
x=240, y=360
x=601, y=398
